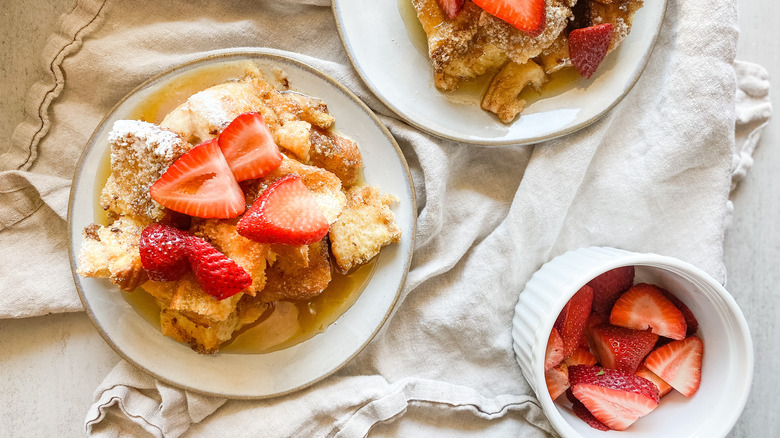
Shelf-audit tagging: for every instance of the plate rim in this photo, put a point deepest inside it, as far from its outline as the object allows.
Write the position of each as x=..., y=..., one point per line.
x=336, y=8
x=245, y=53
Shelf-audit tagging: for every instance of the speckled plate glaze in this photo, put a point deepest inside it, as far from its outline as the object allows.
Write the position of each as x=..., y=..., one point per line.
x=279, y=372
x=387, y=46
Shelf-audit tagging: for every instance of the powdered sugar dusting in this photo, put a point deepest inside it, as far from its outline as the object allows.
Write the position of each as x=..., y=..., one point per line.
x=161, y=144
x=211, y=108
x=140, y=153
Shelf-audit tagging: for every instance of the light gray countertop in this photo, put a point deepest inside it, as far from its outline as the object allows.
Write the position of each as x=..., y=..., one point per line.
x=51, y=365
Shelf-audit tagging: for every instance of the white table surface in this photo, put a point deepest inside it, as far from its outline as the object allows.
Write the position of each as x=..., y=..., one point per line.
x=50, y=365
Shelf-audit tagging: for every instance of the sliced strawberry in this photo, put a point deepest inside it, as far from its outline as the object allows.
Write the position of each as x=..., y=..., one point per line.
x=557, y=379
x=249, y=147
x=571, y=321
x=286, y=212
x=219, y=276
x=451, y=7
x=678, y=363
x=663, y=387
x=581, y=411
x=621, y=348
x=581, y=356
x=528, y=16
x=614, y=397
x=554, y=353
x=163, y=252
x=200, y=184
x=644, y=306
x=588, y=47
x=690, y=320
x=608, y=286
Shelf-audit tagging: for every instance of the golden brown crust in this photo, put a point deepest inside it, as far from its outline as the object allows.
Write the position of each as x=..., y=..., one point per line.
x=365, y=226
x=140, y=153
x=112, y=252
x=336, y=154
x=289, y=280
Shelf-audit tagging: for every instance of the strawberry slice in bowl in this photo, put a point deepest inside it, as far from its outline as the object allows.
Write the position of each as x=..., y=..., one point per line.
x=615, y=398
x=678, y=363
x=201, y=184
x=645, y=306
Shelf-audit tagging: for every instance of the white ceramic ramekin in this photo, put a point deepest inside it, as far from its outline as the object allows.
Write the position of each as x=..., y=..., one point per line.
x=727, y=368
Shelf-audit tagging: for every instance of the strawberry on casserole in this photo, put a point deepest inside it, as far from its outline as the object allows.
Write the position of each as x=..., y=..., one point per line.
x=234, y=202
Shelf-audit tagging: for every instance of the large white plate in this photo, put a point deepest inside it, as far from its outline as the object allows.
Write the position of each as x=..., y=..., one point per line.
x=279, y=372
x=386, y=44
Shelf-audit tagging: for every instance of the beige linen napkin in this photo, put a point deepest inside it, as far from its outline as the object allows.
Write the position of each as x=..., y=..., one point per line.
x=653, y=175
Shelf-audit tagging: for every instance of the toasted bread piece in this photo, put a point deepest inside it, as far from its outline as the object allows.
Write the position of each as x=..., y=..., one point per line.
x=297, y=254
x=296, y=114
x=206, y=113
x=191, y=299
x=248, y=254
x=140, y=153
x=162, y=291
x=503, y=95
x=364, y=227
x=294, y=136
x=112, y=252
x=203, y=338
x=288, y=280
x=336, y=154
x=304, y=107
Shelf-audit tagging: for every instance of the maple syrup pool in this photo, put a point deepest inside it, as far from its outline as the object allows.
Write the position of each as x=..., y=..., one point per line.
x=285, y=323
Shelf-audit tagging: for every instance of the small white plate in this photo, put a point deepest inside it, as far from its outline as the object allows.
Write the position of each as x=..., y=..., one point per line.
x=278, y=372
x=387, y=46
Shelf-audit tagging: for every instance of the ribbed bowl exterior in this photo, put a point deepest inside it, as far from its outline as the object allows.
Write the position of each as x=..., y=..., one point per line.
x=728, y=366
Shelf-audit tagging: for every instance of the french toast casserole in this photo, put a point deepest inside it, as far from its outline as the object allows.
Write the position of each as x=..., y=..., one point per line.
x=467, y=39
x=242, y=197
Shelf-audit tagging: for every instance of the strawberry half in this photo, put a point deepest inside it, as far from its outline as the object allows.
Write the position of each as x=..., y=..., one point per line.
x=678, y=363
x=608, y=287
x=621, y=348
x=219, y=276
x=614, y=397
x=163, y=252
x=557, y=380
x=200, y=184
x=644, y=306
x=581, y=411
x=249, y=147
x=663, y=387
x=581, y=356
x=588, y=47
x=554, y=353
x=528, y=16
x=690, y=319
x=286, y=212
x=451, y=7
x=571, y=321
